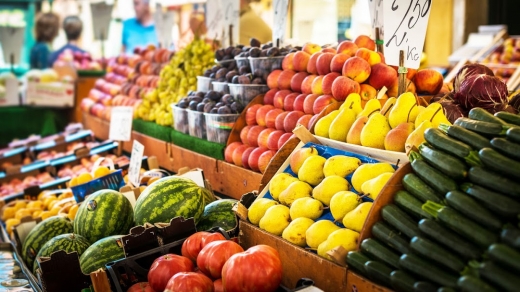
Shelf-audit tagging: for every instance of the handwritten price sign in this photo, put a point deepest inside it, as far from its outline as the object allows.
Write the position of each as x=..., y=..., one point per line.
x=121, y=123
x=280, y=20
x=214, y=19
x=136, y=159
x=231, y=15
x=376, y=15
x=405, y=25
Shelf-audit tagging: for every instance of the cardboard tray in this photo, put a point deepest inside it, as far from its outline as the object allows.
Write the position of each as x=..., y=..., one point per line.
x=31, y=193
x=23, y=171
x=75, y=159
x=60, y=144
x=15, y=156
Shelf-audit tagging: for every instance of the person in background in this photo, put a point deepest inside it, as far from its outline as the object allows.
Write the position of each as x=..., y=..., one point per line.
x=252, y=25
x=73, y=26
x=47, y=26
x=140, y=30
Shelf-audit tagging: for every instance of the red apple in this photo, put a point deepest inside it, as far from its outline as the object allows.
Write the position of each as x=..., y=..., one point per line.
x=279, y=98
x=228, y=153
x=322, y=102
x=343, y=86
x=428, y=81
x=367, y=92
x=291, y=120
x=370, y=56
x=311, y=48
x=323, y=63
x=347, y=47
x=329, y=50
x=270, y=117
x=300, y=61
x=304, y=121
x=261, y=113
x=279, y=120
x=252, y=136
x=237, y=154
x=284, y=80
x=264, y=136
x=308, y=103
x=251, y=114
x=307, y=84
x=288, y=102
x=382, y=75
x=298, y=102
x=243, y=134
x=311, y=66
x=364, y=41
x=272, y=79
x=283, y=139
x=264, y=159
x=272, y=140
x=297, y=80
x=336, y=64
x=287, y=62
x=245, y=157
x=356, y=69
x=326, y=83
x=254, y=156
x=317, y=85
x=269, y=96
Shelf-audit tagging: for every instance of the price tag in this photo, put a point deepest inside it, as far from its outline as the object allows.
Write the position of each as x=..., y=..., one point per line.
x=14, y=46
x=214, y=19
x=136, y=158
x=101, y=16
x=376, y=16
x=231, y=14
x=405, y=25
x=280, y=20
x=164, y=21
x=121, y=123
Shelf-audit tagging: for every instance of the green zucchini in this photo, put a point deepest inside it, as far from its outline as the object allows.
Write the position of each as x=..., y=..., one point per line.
x=476, y=141
x=498, y=203
x=485, y=128
x=410, y=204
x=511, y=237
x=400, y=220
x=505, y=256
x=480, y=114
x=414, y=155
x=390, y=237
x=498, y=276
x=423, y=286
x=436, y=180
x=430, y=250
x=379, y=272
x=380, y=252
x=513, y=134
x=474, y=284
x=446, y=289
x=415, y=186
x=508, y=118
x=402, y=281
x=506, y=147
x=424, y=269
x=356, y=260
x=488, y=179
x=499, y=163
x=462, y=225
x=444, y=162
x=440, y=140
x=472, y=209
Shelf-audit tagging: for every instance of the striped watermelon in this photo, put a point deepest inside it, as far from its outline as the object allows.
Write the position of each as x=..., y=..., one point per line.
x=103, y=251
x=68, y=242
x=104, y=213
x=218, y=213
x=167, y=198
x=208, y=196
x=42, y=233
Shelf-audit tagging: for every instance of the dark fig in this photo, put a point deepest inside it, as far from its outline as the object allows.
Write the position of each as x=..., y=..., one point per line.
x=272, y=52
x=223, y=110
x=219, y=104
x=212, y=76
x=221, y=73
x=244, y=70
x=227, y=57
x=207, y=73
x=213, y=110
x=208, y=106
x=236, y=51
x=213, y=95
x=182, y=103
x=206, y=100
x=254, y=52
x=254, y=42
x=193, y=105
x=200, y=107
x=243, y=79
x=257, y=80
x=235, y=79
x=219, y=54
x=230, y=75
x=228, y=99
x=259, y=72
x=246, y=49
x=229, y=50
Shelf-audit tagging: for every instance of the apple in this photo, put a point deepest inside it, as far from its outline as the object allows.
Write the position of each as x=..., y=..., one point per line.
x=382, y=56
x=311, y=48
x=254, y=157
x=272, y=140
x=298, y=102
x=428, y=81
x=270, y=117
x=287, y=62
x=278, y=123
x=288, y=102
x=265, y=159
x=382, y=75
x=326, y=83
x=348, y=48
x=291, y=120
x=251, y=114
x=317, y=85
x=322, y=102
x=228, y=153
x=237, y=154
x=364, y=41
x=356, y=69
x=308, y=103
x=283, y=139
x=343, y=86
x=323, y=63
x=313, y=121
x=269, y=96
x=311, y=66
x=264, y=136
x=284, y=80
x=272, y=78
x=300, y=61
x=304, y=120
x=370, y=56
x=367, y=92
x=307, y=84
x=245, y=157
x=329, y=50
x=394, y=89
x=164, y=267
x=297, y=80
x=243, y=134
x=279, y=98
x=252, y=136
x=336, y=64
x=262, y=112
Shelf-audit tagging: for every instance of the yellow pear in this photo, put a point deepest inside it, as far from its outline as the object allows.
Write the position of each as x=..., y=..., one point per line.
x=306, y=207
x=323, y=125
x=354, y=134
x=355, y=219
x=295, y=232
x=342, y=203
x=295, y=190
x=369, y=171
x=328, y=187
x=279, y=183
x=299, y=156
x=374, y=132
x=257, y=210
x=405, y=110
x=319, y=232
x=395, y=139
x=372, y=106
x=373, y=187
x=341, y=125
x=433, y=113
x=353, y=101
x=416, y=138
x=389, y=104
x=275, y=219
x=341, y=165
x=311, y=171
x=346, y=238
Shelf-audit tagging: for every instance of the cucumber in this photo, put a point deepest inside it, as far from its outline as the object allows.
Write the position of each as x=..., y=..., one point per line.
x=511, y=237
x=416, y=265
x=498, y=276
x=438, y=181
x=472, y=209
x=498, y=203
x=400, y=220
x=513, y=134
x=440, y=140
x=410, y=204
x=356, y=260
x=415, y=186
x=379, y=272
x=436, y=253
x=444, y=162
x=462, y=225
x=472, y=139
x=483, y=115
x=482, y=177
x=508, y=118
x=423, y=286
x=505, y=256
x=474, y=284
x=378, y=251
x=390, y=237
x=499, y=163
x=485, y=128
x=402, y=281
x=506, y=147
x=446, y=289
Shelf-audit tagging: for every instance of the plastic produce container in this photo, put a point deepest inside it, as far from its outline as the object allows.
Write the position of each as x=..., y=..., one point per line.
x=220, y=86
x=218, y=126
x=266, y=63
x=242, y=61
x=204, y=83
x=113, y=181
x=196, y=124
x=180, y=119
x=244, y=93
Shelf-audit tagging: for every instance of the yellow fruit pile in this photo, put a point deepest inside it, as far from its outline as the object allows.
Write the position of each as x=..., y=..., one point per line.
x=177, y=79
x=85, y=177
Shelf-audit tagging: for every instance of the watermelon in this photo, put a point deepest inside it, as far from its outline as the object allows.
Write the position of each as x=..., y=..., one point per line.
x=218, y=213
x=167, y=198
x=68, y=242
x=102, y=214
x=43, y=232
x=100, y=253
x=208, y=196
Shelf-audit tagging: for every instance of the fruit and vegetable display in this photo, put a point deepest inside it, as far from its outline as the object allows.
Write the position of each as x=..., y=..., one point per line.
x=80, y=60
x=86, y=166
x=17, y=185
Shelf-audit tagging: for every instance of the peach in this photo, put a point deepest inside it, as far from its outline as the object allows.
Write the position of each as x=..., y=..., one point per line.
x=251, y=114
x=410, y=73
x=279, y=98
x=321, y=103
x=291, y=120
x=316, y=85
x=284, y=80
x=269, y=96
x=283, y=139
x=307, y=84
x=278, y=123
x=272, y=79
x=228, y=153
x=326, y=84
x=245, y=157
x=243, y=134
x=367, y=92
x=304, y=121
x=308, y=103
x=311, y=66
x=370, y=56
x=382, y=56
x=261, y=113
x=364, y=41
x=329, y=50
x=252, y=135
x=237, y=154
x=287, y=62
x=393, y=90
x=300, y=61
x=356, y=69
x=298, y=102
x=313, y=121
x=254, y=158
x=263, y=136
x=265, y=159
x=297, y=80
x=382, y=75
x=270, y=117
x=428, y=81
x=336, y=64
x=323, y=63
x=347, y=47
x=288, y=102
x=274, y=137
x=343, y=86
x=311, y=48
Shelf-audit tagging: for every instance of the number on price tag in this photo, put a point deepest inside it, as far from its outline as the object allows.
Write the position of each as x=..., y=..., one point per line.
x=405, y=25
x=214, y=19
x=136, y=158
x=376, y=15
x=280, y=20
x=121, y=123
x=231, y=16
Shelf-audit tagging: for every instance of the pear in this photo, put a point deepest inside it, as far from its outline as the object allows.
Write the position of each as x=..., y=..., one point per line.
x=395, y=139
x=374, y=132
x=355, y=219
x=257, y=209
x=276, y=219
x=306, y=207
x=372, y=106
x=354, y=134
x=295, y=190
x=373, y=187
x=340, y=165
x=353, y=101
x=329, y=187
x=416, y=138
x=299, y=156
x=404, y=111
x=311, y=171
x=369, y=171
x=346, y=238
x=323, y=125
x=319, y=232
x=341, y=125
x=279, y=183
x=389, y=104
x=433, y=113
x=295, y=232
x=342, y=203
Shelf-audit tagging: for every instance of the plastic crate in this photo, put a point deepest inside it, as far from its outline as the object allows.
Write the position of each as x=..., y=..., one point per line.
x=219, y=126
x=267, y=64
x=196, y=124
x=245, y=93
x=220, y=86
x=180, y=119
x=113, y=181
x=204, y=83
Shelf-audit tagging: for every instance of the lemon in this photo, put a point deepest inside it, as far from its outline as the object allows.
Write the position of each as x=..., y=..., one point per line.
x=45, y=215
x=48, y=201
x=150, y=181
x=10, y=223
x=72, y=211
x=35, y=204
x=22, y=213
x=73, y=182
x=101, y=171
x=36, y=214
x=20, y=204
x=84, y=178
x=8, y=213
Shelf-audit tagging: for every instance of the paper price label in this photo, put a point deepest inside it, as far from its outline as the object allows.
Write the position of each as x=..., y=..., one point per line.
x=121, y=123
x=214, y=19
x=164, y=21
x=376, y=16
x=101, y=17
x=15, y=35
x=231, y=16
x=280, y=20
x=136, y=158
x=405, y=29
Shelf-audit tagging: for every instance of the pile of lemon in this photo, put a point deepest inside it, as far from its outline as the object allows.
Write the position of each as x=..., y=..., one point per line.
x=85, y=177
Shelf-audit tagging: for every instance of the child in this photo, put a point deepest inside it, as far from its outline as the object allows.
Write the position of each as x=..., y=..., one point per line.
x=73, y=27
x=47, y=26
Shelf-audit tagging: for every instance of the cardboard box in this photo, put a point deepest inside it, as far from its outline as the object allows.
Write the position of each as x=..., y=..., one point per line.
x=11, y=95
x=55, y=94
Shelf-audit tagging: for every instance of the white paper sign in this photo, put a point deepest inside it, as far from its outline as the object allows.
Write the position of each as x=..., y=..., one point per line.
x=136, y=158
x=121, y=123
x=280, y=20
x=405, y=29
x=101, y=17
x=231, y=14
x=214, y=18
x=13, y=38
x=164, y=21
x=376, y=16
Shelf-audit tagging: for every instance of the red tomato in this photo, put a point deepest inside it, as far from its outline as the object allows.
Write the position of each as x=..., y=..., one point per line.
x=192, y=282
x=257, y=269
x=140, y=287
x=212, y=237
x=194, y=244
x=217, y=285
x=214, y=255
x=164, y=267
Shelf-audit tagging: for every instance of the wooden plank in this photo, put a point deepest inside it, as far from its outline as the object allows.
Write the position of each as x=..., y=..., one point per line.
x=357, y=283
x=83, y=87
x=99, y=127
x=235, y=181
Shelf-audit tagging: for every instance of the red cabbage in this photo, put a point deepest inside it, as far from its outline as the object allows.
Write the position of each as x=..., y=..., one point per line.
x=467, y=71
x=452, y=110
x=487, y=92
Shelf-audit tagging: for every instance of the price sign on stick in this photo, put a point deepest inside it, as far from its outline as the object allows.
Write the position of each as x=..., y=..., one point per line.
x=134, y=169
x=231, y=14
x=280, y=20
x=12, y=42
x=101, y=16
x=376, y=15
x=163, y=25
x=214, y=19
x=121, y=123
x=405, y=29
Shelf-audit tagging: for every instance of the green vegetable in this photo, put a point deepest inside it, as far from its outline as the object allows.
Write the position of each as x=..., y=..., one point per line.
x=218, y=213
x=390, y=237
x=436, y=253
x=436, y=180
x=444, y=162
x=440, y=140
x=100, y=253
x=424, y=269
x=498, y=203
x=486, y=128
x=415, y=186
x=483, y=115
x=500, y=277
x=380, y=252
x=472, y=209
x=423, y=286
x=410, y=204
x=356, y=260
x=506, y=147
x=511, y=237
x=402, y=281
x=482, y=177
x=400, y=220
x=68, y=242
x=505, y=256
x=499, y=163
x=513, y=134
x=472, y=139
x=379, y=272
x=509, y=118
x=474, y=284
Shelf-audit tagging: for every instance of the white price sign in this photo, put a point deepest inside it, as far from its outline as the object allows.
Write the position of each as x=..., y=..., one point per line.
x=280, y=20
x=214, y=19
x=376, y=16
x=405, y=25
x=231, y=15
x=136, y=158
x=164, y=21
x=121, y=123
